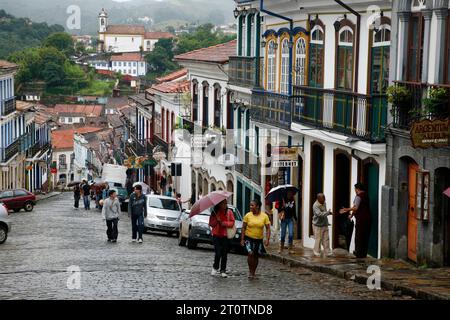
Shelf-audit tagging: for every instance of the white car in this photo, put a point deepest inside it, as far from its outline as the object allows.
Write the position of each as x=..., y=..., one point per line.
x=5, y=224
x=196, y=230
x=163, y=214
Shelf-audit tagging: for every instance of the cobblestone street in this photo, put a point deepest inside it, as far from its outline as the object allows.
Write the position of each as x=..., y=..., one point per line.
x=45, y=242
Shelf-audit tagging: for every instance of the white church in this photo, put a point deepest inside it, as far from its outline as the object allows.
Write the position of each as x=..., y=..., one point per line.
x=126, y=38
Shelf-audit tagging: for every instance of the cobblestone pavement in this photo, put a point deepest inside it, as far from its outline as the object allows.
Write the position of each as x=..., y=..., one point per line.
x=44, y=243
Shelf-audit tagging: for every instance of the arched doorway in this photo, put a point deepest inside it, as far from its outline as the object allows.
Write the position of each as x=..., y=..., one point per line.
x=230, y=188
x=370, y=179
x=413, y=168
x=317, y=166
x=199, y=186
x=342, y=228
x=205, y=187
x=213, y=187
x=442, y=210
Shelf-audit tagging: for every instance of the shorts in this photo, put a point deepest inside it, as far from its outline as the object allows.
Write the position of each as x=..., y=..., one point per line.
x=254, y=245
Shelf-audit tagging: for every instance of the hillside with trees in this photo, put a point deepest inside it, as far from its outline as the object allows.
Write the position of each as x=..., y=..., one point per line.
x=22, y=33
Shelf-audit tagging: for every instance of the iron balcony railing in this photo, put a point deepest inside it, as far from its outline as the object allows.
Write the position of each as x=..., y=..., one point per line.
x=244, y=71
x=10, y=106
x=357, y=115
x=271, y=108
x=249, y=165
x=62, y=166
x=419, y=101
x=10, y=151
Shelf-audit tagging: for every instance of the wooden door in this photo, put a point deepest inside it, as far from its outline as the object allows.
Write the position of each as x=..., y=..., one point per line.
x=412, y=220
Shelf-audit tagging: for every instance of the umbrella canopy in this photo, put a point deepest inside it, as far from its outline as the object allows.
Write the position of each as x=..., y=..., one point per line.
x=447, y=192
x=73, y=183
x=145, y=187
x=279, y=193
x=209, y=201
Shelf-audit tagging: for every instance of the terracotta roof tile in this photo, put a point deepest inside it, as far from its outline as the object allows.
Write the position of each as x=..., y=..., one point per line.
x=7, y=65
x=128, y=57
x=86, y=109
x=173, y=76
x=218, y=54
x=63, y=139
x=173, y=87
x=125, y=29
x=158, y=35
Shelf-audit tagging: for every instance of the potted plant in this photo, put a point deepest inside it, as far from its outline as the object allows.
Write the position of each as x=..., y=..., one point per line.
x=437, y=101
x=400, y=98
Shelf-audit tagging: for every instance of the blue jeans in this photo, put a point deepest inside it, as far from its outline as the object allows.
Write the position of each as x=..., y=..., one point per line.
x=86, y=202
x=137, y=226
x=289, y=224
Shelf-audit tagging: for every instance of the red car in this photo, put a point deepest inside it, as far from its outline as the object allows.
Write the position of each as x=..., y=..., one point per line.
x=17, y=199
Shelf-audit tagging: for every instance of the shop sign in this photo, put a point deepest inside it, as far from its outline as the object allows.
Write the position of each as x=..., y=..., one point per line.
x=285, y=153
x=53, y=170
x=285, y=164
x=430, y=133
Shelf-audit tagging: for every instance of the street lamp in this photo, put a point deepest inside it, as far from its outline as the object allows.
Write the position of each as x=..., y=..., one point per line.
x=236, y=13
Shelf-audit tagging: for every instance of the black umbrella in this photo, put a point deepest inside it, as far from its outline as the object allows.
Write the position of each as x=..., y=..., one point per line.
x=73, y=183
x=279, y=193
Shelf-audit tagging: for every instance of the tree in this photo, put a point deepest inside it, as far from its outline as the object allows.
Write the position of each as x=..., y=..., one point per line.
x=160, y=59
x=61, y=41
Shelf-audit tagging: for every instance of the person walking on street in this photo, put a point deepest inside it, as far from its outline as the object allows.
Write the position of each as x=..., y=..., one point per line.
x=221, y=218
x=253, y=234
x=86, y=195
x=76, y=196
x=137, y=210
x=361, y=211
x=287, y=217
x=320, y=226
x=111, y=212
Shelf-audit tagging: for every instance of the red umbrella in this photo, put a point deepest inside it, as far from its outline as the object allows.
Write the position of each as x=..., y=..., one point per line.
x=209, y=201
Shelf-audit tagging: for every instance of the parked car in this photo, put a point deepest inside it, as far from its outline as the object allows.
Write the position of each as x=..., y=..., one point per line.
x=18, y=199
x=196, y=230
x=5, y=224
x=163, y=214
x=122, y=195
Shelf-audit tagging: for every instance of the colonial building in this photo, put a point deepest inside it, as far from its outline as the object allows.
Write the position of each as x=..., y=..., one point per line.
x=69, y=114
x=212, y=114
x=63, y=157
x=126, y=38
x=320, y=78
x=416, y=213
x=171, y=101
x=132, y=64
x=12, y=129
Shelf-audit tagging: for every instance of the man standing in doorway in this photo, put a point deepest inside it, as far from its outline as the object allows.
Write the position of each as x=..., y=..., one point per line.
x=361, y=211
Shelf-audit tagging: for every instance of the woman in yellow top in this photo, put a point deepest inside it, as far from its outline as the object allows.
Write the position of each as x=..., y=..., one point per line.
x=253, y=234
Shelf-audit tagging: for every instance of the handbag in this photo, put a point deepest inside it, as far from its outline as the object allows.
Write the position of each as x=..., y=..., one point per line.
x=231, y=232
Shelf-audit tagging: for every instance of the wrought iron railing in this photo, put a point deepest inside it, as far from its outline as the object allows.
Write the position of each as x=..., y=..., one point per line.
x=243, y=71
x=357, y=115
x=419, y=101
x=271, y=108
x=10, y=151
x=10, y=106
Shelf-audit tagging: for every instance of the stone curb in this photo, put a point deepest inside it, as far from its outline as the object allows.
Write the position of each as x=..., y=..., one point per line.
x=357, y=277
x=47, y=196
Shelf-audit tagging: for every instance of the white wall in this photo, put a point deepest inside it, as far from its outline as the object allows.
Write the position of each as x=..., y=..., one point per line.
x=123, y=43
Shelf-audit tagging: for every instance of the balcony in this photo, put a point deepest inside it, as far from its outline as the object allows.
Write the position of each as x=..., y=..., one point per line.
x=248, y=165
x=10, y=106
x=419, y=101
x=271, y=108
x=244, y=72
x=160, y=142
x=9, y=152
x=62, y=167
x=193, y=127
x=348, y=113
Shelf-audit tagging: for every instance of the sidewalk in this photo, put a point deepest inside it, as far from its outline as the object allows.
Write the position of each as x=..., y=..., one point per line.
x=396, y=275
x=40, y=197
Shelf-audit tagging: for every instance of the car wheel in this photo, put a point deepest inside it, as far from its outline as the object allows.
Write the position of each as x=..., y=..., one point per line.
x=181, y=240
x=191, y=244
x=28, y=207
x=3, y=234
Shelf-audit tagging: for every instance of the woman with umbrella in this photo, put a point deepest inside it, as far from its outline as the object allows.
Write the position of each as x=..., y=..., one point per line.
x=253, y=234
x=221, y=220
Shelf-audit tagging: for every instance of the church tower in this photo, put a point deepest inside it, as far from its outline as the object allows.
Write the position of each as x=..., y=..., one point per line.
x=102, y=21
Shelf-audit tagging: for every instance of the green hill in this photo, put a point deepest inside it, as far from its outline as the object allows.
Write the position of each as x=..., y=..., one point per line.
x=22, y=33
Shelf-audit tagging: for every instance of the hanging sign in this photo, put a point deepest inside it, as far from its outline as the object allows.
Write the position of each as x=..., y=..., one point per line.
x=430, y=133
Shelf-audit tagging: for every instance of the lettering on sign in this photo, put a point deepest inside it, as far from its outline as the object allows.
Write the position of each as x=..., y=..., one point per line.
x=430, y=133
x=284, y=164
